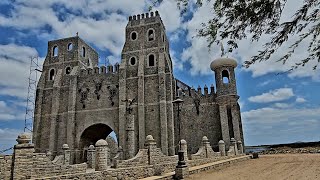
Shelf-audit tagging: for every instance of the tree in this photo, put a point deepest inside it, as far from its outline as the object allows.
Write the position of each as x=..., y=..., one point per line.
x=234, y=20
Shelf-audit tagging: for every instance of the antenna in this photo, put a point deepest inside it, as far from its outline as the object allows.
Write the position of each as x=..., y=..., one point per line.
x=31, y=97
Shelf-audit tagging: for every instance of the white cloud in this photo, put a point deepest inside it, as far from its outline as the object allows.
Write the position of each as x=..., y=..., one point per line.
x=273, y=96
x=300, y=100
x=170, y=14
x=282, y=105
x=8, y=138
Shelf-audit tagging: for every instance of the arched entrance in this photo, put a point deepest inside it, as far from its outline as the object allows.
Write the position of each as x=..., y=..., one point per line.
x=90, y=136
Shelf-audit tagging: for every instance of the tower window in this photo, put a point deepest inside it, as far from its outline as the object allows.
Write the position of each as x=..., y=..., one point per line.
x=51, y=75
x=225, y=77
x=55, y=51
x=151, y=60
x=83, y=52
x=150, y=35
x=132, y=61
x=68, y=70
x=70, y=46
x=134, y=35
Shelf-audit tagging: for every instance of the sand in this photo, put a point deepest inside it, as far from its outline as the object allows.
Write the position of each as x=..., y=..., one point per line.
x=271, y=167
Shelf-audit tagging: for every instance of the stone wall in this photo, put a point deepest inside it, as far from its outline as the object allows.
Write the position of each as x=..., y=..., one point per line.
x=5, y=166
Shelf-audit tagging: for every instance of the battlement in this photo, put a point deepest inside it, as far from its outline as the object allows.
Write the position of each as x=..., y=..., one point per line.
x=144, y=16
x=111, y=69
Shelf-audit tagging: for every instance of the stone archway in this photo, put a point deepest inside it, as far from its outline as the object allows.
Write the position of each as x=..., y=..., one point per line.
x=91, y=135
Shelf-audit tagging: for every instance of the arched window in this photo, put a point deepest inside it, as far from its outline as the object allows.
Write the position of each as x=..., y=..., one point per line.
x=83, y=52
x=51, y=75
x=225, y=77
x=55, y=51
x=134, y=35
x=132, y=61
x=151, y=60
x=150, y=35
x=68, y=70
x=70, y=46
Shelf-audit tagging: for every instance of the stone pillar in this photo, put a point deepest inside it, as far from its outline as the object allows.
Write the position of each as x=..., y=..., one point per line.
x=91, y=157
x=22, y=157
x=151, y=145
x=222, y=148
x=141, y=108
x=206, y=144
x=66, y=154
x=233, y=143
x=184, y=148
x=49, y=155
x=130, y=150
x=101, y=155
x=240, y=146
x=236, y=121
x=224, y=124
x=163, y=104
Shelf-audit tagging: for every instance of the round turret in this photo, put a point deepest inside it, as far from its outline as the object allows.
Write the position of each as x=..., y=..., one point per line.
x=221, y=62
x=225, y=76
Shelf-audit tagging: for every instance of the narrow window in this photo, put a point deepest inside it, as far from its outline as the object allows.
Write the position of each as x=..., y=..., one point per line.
x=55, y=51
x=133, y=35
x=70, y=46
x=132, y=61
x=51, y=75
x=68, y=70
x=225, y=77
x=83, y=52
x=151, y=60
x=150, y=35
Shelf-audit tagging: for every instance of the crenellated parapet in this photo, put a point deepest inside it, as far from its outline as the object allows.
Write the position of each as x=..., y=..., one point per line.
x=144, y=16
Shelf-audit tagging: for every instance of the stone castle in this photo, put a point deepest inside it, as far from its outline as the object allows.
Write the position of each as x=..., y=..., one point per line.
x=79, y=103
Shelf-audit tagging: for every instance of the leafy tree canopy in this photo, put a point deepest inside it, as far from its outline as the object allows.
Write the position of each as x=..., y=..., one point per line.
x=234, y=20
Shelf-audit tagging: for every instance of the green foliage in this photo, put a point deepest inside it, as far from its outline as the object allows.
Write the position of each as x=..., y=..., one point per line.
x=234, y=20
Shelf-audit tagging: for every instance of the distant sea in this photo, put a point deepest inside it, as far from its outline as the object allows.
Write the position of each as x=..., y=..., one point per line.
x=255, y=149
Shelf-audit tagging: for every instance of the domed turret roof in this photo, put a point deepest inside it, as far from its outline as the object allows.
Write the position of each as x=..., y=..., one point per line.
x=223, y=62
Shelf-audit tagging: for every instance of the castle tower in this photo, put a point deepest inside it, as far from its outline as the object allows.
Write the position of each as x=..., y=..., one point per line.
x=145, y=75
x=56, y=92
x=227, y=99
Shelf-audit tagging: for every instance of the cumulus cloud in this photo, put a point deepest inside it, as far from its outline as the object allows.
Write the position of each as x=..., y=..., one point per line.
x=8, y=137
x=273, y=96
x=300, y=100
x=200, y=56
x=273, y=125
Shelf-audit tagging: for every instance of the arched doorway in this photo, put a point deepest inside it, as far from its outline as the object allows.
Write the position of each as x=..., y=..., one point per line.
x=90, y=136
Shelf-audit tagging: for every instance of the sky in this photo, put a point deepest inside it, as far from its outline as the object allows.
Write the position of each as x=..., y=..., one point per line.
x=274, y=108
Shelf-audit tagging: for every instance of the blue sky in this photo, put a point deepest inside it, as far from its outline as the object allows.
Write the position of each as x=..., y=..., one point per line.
x=275, y=108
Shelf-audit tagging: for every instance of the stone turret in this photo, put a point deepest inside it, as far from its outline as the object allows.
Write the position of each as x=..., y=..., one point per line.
x=227, y=99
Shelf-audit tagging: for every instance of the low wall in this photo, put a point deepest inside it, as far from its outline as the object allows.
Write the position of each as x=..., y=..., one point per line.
x=5, y=166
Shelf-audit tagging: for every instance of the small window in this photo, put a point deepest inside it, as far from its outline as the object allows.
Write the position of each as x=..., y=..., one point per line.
x=134, y=36
x=150, y=35
x=68, y=70
x=83, y=52
x=51, y=75
x=55, y=51
x=151, y=60
x=162, y=38
x=70, y=46
x=132, y=61
x=225, y=76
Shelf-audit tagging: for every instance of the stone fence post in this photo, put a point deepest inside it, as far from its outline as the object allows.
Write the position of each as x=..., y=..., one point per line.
x=184, y=148
x=222, y=148
x=91, y=157
x=240, y=145
x=206, y=144
x=66, y=154
x=101, y=155
x=234, y=144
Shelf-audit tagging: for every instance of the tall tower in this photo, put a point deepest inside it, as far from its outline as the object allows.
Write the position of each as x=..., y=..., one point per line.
x=145, y=75
x=227, y=99
x=56, y=93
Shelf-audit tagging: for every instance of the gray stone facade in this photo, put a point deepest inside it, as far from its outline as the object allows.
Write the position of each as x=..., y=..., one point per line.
x=79, y=103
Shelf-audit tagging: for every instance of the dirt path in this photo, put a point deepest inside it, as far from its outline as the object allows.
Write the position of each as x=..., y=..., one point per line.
x=269, y=167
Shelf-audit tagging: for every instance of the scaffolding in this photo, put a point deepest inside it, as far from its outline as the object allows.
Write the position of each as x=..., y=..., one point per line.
x=31, y=97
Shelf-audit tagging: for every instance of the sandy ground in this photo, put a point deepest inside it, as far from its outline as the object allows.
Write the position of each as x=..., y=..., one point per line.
x=271, y=167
